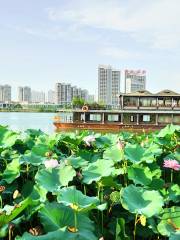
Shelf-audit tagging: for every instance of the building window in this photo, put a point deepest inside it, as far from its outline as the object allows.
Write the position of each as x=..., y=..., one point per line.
x=95, y=117
x=146, y=118
x=131, y=118
x=113, y=117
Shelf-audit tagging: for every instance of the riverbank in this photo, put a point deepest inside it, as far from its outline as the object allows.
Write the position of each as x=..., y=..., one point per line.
x=29, y=110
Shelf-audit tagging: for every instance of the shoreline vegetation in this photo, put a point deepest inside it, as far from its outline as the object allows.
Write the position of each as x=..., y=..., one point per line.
x=76, y=103
x=89, y=186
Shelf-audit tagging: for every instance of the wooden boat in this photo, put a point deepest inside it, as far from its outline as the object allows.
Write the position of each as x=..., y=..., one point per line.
x=139, y=111
x=104, y=120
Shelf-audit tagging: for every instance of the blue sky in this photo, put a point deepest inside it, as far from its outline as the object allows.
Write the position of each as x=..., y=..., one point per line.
x=48, y=41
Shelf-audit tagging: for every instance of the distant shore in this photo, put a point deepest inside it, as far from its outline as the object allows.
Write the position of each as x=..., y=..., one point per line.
x=28, y=110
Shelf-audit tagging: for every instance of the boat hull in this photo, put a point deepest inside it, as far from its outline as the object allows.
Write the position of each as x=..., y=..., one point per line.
x=106, y=127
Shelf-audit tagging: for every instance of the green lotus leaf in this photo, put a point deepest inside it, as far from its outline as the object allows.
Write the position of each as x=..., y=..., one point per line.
x=76, y=162
x=54, y=216
x=114, y=154
x=40, y=149
x=170, y=221
x=32, y=159
x=110, y=182
x=38, y=193
x=154, y=149
x=8, y=213
x=136, y=154
x=174, y=193
x=175, y=236
x=156, y=184
x=61, y=233
x=7, y=137
x=34, y=133
x=95, y=171
x=12, y=171
x=140, y=175
x=72, y=197
x=140, y=201
x=168, y=130
x=102, y=141
x=57, y=219
x=53, y=178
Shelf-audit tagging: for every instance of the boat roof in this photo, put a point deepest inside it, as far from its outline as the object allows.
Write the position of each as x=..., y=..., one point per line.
x=145, y=93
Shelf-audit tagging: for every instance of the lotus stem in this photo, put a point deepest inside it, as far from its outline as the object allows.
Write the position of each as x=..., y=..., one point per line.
x=1, y=202
x=27, y=169
x=102, y=216
x=135, y=223
x=171, y=176
x=84, y=190
x=75, y=220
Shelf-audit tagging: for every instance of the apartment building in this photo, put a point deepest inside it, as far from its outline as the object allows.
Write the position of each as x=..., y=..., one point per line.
x=24, y=94
x=135, y=80
x=5, y=93
x=108, y=85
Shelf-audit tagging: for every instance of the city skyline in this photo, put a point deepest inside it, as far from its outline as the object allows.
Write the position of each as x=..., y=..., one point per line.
x=44, y=41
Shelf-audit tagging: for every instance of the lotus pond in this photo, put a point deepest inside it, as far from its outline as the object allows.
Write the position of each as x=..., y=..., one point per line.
x=88, y=186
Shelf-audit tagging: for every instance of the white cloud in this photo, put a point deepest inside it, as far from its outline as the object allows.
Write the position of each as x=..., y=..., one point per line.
x=157, y=19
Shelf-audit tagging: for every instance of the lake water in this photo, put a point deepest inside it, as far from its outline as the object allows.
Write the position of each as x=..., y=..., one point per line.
x=22, y=121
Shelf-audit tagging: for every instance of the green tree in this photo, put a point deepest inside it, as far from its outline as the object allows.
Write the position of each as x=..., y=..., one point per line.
x=78, y=102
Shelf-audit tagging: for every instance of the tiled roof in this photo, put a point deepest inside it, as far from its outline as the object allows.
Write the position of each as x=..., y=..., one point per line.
x=165, y=92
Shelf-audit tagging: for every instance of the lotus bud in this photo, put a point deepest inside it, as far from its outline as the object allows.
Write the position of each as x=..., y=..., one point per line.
x=52, y=163
x=120, y=144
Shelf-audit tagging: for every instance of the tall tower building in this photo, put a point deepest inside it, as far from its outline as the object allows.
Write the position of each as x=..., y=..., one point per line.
x=108, y=85
x=135, y=80
x=24, y=94
x=51, y=96
x=5, y=93
x=37, y=97
x=63, y=93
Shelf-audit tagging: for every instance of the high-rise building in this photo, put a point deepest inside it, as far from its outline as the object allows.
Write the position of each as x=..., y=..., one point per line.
x=51, y=97
x=37, y=97
x=74, y=92
x=135, y=80
x=64, y=93
x=84, y=94
x=5, y=93
x=24, y=94
x=108, y=85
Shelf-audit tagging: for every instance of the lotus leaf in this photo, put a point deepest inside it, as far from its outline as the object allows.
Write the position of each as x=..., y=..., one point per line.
x=114, y=154
x=12, y=171
x=75, y=199
x=140, y=201
x=170, y=221
x=140, y=175
x=54, y=178
x=95, y=171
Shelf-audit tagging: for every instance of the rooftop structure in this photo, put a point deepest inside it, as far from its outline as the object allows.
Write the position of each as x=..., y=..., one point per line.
x=135, y=80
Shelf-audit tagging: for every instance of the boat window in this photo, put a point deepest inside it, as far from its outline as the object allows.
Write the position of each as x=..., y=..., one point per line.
x=131, y=118
x=146, y=118
x=95, y=117
x=113, y=117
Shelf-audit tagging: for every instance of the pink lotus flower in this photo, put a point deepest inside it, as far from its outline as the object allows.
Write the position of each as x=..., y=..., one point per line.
x=89, y=140
x=173, y=164
x=120, y=145
x=52, y=163
x=79, y=175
